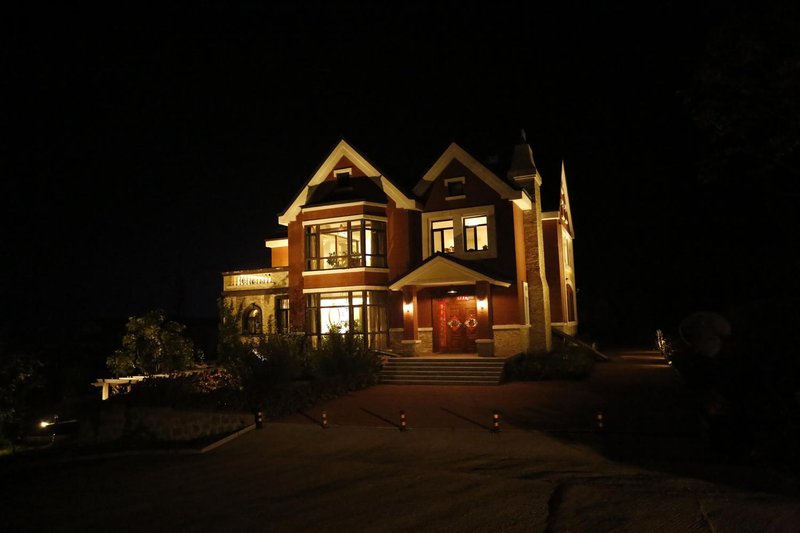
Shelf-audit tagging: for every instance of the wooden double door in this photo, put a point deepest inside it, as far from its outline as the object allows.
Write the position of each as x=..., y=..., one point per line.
x=456, y=324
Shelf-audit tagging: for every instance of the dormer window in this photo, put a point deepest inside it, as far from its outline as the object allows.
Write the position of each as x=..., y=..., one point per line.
x=342, y=176
x=455, y=188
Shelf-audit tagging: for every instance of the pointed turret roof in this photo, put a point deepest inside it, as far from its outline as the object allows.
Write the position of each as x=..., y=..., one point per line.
x=523, y=171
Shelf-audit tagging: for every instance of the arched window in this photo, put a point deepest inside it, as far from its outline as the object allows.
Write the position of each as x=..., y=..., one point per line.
x=252, y=321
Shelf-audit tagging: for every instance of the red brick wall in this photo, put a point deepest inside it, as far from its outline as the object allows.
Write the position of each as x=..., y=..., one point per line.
x=553, y=265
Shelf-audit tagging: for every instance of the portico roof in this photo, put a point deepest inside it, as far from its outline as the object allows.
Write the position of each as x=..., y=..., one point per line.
x=440, y=269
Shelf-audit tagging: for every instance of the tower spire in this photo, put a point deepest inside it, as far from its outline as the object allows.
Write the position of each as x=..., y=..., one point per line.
x=523, y=170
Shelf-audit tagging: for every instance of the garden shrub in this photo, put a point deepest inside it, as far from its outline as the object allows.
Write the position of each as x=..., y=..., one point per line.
x=569, y=362
x=344, y=355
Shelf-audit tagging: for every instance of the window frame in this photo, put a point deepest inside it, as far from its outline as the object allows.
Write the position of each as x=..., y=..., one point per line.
x=439, y=234
x=473, y=230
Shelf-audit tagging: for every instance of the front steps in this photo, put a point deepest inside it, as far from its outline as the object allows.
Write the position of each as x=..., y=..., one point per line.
x=441, y=371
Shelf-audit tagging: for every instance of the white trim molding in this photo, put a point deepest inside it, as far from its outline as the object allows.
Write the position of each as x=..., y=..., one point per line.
x=349, y=288
x=277, y=243
x=344, y=271
x=343, y=149
x=332, y=220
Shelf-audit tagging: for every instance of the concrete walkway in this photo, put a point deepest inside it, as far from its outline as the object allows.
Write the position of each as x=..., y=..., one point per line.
x=547, y=470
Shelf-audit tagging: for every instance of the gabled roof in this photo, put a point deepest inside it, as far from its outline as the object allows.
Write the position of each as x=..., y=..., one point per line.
x=366, y=189
x=455, y=152
x=565, y=202
x=562, y=210
x=344, y=149
x=440, y=269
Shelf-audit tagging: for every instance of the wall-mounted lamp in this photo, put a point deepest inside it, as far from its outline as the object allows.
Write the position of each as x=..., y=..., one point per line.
x=452, y=291
x=483, y=304
x=408, y=307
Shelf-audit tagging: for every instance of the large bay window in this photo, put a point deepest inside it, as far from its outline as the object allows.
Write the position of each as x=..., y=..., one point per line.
x=359, y=312
x=346, y=244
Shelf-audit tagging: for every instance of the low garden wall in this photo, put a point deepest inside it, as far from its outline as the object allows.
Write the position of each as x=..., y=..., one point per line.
x=160, y=424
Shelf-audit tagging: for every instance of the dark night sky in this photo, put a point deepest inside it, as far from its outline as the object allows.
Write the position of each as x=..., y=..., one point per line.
x=151, y=148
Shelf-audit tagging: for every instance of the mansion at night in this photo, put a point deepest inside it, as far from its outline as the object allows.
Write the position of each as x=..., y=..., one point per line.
x=466, y=262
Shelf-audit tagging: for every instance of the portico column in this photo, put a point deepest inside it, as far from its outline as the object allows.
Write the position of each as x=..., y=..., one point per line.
x=410, y=322
x=485, y=339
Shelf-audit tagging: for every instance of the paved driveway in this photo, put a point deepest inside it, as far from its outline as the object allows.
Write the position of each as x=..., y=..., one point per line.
x=449, y=473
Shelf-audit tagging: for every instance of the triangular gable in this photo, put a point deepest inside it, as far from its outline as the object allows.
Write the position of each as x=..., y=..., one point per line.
x=454, y=151
x=564, y=207
x=344, y=150
x=439, y=270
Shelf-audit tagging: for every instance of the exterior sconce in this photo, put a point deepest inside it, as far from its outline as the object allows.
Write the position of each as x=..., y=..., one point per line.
x=408, y=307
x=483, y=304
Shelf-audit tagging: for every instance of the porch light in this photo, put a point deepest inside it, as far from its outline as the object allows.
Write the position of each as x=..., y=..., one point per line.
x=483, y=304
x=408, y=307
x=452, y=291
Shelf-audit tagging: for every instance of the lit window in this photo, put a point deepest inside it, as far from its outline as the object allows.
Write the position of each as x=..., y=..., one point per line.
x=358, y=312
x=442, y=237
x=476, y=234
x=347, y=244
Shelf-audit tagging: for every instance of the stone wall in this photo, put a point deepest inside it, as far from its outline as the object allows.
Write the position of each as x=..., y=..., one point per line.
x=160, y=424
x=395, y=340
x=426, y=338
x=510, y=341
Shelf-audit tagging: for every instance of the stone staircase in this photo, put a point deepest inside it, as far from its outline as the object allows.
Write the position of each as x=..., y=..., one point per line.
x=441, y=371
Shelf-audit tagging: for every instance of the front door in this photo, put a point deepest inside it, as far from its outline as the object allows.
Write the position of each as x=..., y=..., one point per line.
x=456, y=324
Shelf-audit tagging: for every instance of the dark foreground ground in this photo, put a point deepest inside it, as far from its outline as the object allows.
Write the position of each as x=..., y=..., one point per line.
x=549, y=469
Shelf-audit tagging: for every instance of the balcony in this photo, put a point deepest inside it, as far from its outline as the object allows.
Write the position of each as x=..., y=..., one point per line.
x=247, y=280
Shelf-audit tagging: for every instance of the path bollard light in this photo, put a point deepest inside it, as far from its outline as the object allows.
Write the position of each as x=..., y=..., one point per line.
x=402, y=420
x=495, y=422
x=324, y=420
x=259, y=419
x=601, y=421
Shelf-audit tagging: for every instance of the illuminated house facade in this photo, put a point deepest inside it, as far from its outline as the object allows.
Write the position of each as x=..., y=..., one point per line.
x=466, y=262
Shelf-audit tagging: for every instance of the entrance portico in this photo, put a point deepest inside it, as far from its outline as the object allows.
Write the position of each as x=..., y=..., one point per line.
x=457, y=309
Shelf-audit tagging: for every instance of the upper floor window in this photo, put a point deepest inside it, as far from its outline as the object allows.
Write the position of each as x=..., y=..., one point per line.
x=468, y=233
x=346, y=244
x=442, y=236
x=476, y=234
